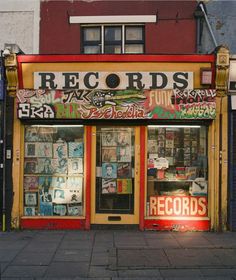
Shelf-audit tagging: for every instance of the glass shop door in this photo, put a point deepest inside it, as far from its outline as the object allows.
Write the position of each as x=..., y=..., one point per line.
x=115, y=191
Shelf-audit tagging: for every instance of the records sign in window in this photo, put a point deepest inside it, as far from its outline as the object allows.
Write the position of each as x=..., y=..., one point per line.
x=115, y=162
x=53, y=171
x=177, y=171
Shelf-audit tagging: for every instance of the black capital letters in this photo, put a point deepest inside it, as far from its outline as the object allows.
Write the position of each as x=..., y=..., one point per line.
x=134, y=78
x=47, y=78
x=183, y=83
x=70, y=80
x=154, y=80
x=86, y=80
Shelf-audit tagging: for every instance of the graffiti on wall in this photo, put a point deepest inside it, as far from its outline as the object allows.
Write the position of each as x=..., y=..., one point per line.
x=110, y=104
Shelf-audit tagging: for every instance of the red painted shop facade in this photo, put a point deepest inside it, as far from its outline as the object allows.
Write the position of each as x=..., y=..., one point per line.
x=109, y=139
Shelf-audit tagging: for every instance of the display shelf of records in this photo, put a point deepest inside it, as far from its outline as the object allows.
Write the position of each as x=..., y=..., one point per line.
x=53, y=171
x=115, y=176
x=116, y=162
x=176, y=161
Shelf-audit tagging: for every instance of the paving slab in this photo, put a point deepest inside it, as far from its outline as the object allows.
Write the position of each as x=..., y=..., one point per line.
x=162, y=243
x=173, y=272
x=3, y=266
x=33, y=258
x=197, y=278
x=68, y=269
x=227, y=257
x=12, y=244
x=101, y=271
x=223, y=242
x=14, y=278
x=8, y=255
x=130, y=242
x=138, y=278
x=192, y=257
x=142, y=258
x=79, y=235
x=46, y=237
x=194, y=242
x=24, y=271
x=41, y=247
x=76, y=244
x=72, y=255
x=104, y=237
x=148, y=273
x=100, y=258
x=218, y=272
x=158, y=235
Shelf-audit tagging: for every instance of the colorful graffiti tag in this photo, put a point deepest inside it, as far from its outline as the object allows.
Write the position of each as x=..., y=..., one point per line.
x=123, y=104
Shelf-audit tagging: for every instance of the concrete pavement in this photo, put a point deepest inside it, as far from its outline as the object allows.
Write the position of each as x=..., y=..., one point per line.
x=117, y=254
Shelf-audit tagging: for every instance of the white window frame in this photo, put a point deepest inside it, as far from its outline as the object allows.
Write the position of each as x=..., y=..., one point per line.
x=102, y=26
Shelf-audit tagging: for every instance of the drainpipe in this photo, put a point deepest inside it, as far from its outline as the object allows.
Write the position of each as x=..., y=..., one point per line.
x=201, y=5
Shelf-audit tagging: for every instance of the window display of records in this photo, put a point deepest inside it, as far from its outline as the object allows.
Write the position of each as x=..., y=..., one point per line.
x=53, y=170
x=116, y=156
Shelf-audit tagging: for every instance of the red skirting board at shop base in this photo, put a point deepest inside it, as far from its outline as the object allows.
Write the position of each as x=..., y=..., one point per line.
x=177, y=225
x=52, y=223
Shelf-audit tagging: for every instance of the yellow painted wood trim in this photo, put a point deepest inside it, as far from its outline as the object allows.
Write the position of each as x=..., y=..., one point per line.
x=126, y=219
x=146, y=168
x=99, y=218
x=212, y=187
x=224, y=161
x=215, y=210
x=137, y=176
x=84, y=172
x=17, y=174
x=93, y=175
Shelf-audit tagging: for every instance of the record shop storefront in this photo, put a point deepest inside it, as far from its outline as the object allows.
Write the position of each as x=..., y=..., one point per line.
x=115, y=140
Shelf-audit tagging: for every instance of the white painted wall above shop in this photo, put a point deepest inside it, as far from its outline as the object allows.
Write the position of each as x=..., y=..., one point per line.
x=19, y=24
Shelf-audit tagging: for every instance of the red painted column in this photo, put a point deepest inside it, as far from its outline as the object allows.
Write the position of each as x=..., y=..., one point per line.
x=88, y=154
x=142, y=176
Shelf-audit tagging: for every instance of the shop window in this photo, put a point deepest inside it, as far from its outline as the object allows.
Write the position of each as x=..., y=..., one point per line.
x=177, y=171
x=113, y=39
x=54, y=171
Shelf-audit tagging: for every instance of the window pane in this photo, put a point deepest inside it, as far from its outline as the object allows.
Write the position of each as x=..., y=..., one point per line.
x=115, y=170
x=177, y=171
x=92, y=49
x=133, y=33
x=112, y=33
x=112, y=49
x=134, y=48
x=92, y=34
x=53, y=171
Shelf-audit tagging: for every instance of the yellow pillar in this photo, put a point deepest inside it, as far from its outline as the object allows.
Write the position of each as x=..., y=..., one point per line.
x=17, y=172
x=12, y=85
x=218, y=147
